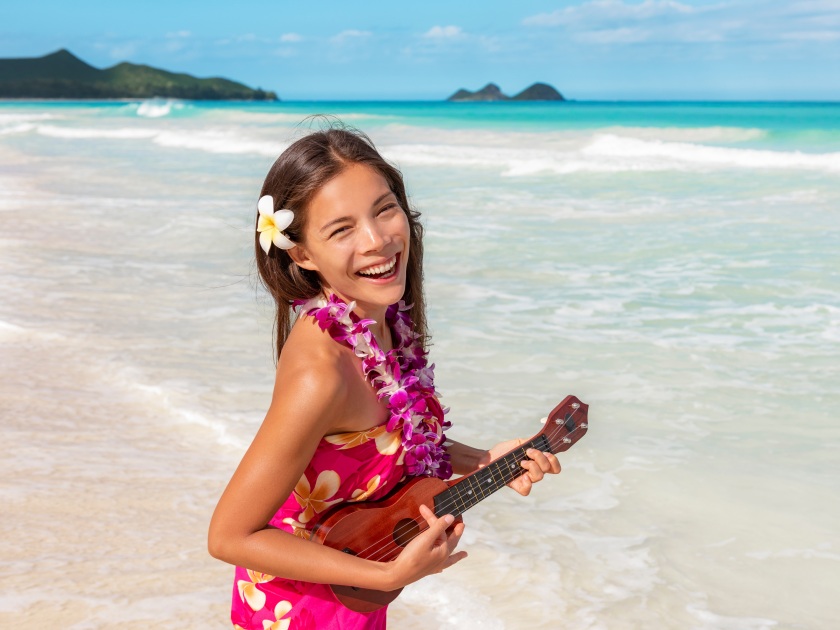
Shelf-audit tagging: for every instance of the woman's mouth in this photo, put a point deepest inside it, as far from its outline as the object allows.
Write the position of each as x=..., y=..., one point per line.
x=384, y=271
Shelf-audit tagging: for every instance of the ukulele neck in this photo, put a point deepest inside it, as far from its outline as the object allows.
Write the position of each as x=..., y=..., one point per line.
x=473, y=488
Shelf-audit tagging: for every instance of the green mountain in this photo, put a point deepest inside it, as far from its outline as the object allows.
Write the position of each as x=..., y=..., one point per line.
x=491, y=92
x=539, y=92
x=63, y=75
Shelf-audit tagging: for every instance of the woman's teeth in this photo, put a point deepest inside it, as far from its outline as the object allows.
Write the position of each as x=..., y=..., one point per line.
x=379, y=269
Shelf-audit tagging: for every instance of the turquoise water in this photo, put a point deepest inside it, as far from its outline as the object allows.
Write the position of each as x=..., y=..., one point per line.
x=675, y=265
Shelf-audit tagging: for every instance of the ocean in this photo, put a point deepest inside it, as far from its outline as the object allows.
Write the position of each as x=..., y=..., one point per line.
x=674, y=265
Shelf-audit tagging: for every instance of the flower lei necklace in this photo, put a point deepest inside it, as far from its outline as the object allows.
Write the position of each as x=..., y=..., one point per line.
x=400, y=377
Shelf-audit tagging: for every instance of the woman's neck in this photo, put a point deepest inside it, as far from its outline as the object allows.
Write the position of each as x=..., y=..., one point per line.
x=373, y=312
x=379, y=328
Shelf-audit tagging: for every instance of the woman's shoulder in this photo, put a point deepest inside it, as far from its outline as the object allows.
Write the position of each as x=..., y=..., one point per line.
x=311, y=381
x=312, y=354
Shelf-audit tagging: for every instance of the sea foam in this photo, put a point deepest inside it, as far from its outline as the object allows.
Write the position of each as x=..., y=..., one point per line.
x=158, y=108
x=610, y=153
x=657, y=155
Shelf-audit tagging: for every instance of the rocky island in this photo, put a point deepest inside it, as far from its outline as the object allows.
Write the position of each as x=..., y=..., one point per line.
x=63, y=75
x=492, y=92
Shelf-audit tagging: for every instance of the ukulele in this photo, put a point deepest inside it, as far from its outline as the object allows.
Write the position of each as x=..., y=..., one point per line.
x=379, y=530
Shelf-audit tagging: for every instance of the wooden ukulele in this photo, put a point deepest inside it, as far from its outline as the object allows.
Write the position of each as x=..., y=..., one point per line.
x=379, y=530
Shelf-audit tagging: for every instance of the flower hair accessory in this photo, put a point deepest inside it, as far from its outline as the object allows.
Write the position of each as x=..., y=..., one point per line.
x=272, y=224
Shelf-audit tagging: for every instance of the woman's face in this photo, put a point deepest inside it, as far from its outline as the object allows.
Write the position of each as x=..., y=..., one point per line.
x=357, y=239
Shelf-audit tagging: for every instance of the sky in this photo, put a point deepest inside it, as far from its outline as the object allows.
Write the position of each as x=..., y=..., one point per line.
x=376, y=50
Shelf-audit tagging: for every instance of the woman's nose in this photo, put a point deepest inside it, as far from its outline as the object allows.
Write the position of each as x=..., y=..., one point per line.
x=374, y=236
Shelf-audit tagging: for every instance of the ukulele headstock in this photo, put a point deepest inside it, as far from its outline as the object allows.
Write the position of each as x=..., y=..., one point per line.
x=566, y=424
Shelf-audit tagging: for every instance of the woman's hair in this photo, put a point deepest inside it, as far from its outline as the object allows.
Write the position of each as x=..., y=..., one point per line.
x=294, y=179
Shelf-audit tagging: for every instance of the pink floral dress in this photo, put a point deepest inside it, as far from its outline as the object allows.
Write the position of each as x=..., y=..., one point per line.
x=357, y=466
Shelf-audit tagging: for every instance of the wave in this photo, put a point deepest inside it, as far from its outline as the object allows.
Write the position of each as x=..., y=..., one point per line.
x=158, y=107
x=122, y=133
x=610, y=153
x=218, y=142
x=18, y=128
x=688, y=134
x=10, y=331
x=211, y=141
x=14, y=118
x=660, y=153
x=620, y=151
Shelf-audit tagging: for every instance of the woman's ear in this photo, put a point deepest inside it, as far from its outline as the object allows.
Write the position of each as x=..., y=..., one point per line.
x=301, y=258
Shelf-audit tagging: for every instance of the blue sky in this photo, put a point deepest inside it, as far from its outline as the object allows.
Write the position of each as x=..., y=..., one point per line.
x=588, y=49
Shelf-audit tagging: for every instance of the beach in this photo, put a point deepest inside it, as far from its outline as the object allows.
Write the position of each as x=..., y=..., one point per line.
x=674, y=265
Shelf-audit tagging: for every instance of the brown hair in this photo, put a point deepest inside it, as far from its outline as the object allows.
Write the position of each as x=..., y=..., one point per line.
x=294, y=179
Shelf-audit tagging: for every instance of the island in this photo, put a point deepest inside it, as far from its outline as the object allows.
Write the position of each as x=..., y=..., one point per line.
x=63, y=75
x=492, y=92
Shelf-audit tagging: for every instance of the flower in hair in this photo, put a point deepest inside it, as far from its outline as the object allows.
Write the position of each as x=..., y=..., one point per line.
x=272, y=224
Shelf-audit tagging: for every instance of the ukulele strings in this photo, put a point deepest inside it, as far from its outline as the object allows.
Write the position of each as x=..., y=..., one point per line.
x=384, y=545
x=445, y=506
x=389, y=546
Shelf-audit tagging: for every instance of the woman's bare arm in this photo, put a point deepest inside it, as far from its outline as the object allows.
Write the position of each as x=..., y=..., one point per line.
x=305, y=401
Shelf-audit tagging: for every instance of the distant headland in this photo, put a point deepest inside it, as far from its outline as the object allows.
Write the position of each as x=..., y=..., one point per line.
x=492, y=92
x=63, y=75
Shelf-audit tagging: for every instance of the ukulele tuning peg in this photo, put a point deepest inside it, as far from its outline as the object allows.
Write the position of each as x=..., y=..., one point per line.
x=575, y=405
x=543, y=420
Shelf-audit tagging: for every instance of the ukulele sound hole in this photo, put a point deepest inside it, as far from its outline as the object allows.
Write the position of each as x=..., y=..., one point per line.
x=405, y=531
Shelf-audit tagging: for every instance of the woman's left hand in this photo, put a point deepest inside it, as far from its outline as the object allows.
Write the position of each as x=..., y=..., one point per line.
x=537, y=466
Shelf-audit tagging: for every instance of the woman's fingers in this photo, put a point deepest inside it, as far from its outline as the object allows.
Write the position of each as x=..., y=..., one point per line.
x=438, y=527
x=431, y=551
x=522, y=485
x=545, y=462
x=537, y=466
x=434, y=522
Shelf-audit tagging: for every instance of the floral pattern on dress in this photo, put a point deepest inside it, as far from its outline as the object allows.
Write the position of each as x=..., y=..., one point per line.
x=352, y=466
x=387, y=442
x=347, y=467
x=248, y=590
x=317, y=499
x=362, y=495
x=282, y=609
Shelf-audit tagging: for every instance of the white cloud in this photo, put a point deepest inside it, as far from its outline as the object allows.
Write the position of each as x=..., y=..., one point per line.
x=812, y=36
x=178, y=34
x=285, y=52
x=350, y=34
x=290, y=38
x=615, y=36
x=597, y=11
x=443, y=32
x=124, y=51
x=617, y=22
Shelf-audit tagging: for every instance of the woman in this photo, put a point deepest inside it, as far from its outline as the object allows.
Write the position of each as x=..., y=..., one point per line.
x=353, y=411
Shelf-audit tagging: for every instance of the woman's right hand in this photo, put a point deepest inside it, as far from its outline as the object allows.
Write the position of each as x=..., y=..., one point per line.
x=430, y=552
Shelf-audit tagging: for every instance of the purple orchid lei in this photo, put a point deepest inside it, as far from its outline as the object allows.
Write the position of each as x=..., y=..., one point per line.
x=400, y=377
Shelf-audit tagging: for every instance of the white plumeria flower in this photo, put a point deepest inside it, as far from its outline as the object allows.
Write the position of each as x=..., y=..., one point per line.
x=272, y=224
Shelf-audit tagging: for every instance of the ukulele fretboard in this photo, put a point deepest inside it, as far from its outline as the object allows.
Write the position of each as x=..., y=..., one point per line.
x=473, y=488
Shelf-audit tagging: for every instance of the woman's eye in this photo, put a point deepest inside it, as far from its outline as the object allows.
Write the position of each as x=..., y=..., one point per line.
x=339, y=231
x=390, y=206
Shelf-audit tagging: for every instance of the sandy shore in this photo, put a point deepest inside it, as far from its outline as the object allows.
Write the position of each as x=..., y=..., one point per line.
x=105, y=520
x=106, y=502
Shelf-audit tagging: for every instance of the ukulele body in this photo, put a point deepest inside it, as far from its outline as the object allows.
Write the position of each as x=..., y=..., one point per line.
x=376, y=530
x=379, y=530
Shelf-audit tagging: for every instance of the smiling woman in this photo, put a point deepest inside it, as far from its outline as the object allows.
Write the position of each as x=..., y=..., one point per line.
x=349, y=421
